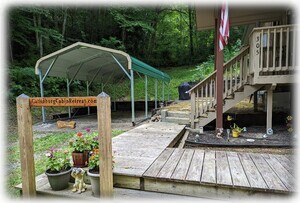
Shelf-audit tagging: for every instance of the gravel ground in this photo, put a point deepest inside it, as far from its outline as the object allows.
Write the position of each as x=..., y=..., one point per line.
x=120, y=121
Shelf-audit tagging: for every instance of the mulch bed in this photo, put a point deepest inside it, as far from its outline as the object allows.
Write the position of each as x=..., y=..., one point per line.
x=254, y=137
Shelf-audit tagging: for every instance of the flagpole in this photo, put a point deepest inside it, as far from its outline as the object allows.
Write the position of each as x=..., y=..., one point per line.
x=219, y=81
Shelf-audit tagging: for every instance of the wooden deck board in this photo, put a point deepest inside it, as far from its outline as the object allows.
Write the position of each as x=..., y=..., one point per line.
x=195, y=170
x=183, y=165
x=254, y=177
x=270, y=177
x=286, y=163
x=168, y=169
x=223, y=170
x=157, y=165
x=209, y=167
x=285, y=177
x=239, y=177
x=135, y=150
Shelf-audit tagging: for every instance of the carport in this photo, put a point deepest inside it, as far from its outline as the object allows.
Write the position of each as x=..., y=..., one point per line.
x=92, y=63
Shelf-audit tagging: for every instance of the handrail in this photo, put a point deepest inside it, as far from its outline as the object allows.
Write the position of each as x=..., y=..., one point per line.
x=271, y=27
x=237, y=57
x=202, y=81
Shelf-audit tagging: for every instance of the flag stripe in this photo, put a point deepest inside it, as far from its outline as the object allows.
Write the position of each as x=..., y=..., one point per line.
x=224, y=27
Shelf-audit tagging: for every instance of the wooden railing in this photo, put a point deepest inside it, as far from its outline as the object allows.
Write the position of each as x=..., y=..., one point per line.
x=203, y=94
x=273, y=50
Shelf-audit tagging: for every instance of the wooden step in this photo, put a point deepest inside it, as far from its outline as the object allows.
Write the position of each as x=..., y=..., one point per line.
x=181, y=121
x=178, y=114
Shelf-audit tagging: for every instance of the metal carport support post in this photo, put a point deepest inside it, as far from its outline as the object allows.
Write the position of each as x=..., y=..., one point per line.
x=146, y=96
x=68, y=94
x=88, y=94
x=169, y=91
x=155, y=93
x=42, y=95
x=163, y=91
x=132, y=97
x=42, y=87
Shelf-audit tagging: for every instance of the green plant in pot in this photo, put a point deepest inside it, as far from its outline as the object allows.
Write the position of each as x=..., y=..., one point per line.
x=92, y=138
x=94, y=173
x=58, y=168
x=236, y=130
x=81, y=148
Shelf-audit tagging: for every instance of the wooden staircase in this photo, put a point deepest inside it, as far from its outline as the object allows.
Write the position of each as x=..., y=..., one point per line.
x=270, y=59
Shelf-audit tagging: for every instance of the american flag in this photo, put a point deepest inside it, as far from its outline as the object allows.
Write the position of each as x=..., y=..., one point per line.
x=224, y=27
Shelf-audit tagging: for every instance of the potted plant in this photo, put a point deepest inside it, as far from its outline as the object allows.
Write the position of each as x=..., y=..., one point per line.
x=94, y=172
x=58, y=168
x=236, y=130
x=93, y=140
x=81, y=148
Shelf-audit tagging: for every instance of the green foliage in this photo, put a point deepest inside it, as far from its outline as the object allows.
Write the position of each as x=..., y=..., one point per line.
x=94, y=160
x=58, y=160
x=24, y=80
x=81, y=143
x=113, y=43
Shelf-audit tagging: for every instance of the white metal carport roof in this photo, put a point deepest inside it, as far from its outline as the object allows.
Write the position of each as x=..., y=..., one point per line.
x=87, y=62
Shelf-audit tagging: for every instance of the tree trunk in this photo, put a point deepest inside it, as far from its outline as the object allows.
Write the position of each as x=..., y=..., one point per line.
x=41, y=36
x=11, y=52
x=191, y=33
x=64, y=27
x=36, y=32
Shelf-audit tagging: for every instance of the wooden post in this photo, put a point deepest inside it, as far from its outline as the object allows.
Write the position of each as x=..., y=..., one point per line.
x=219, y=80
x=269, y=107
x=255, y=101
x=105, y=145
x=26, y=146
x=193, y=108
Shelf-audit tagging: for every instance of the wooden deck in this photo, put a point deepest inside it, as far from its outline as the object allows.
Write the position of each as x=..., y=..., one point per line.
x=135, y=150
x=145, y=160
x=257, y=172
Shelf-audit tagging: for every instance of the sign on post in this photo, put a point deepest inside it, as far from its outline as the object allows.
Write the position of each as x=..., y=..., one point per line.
x=26, y=137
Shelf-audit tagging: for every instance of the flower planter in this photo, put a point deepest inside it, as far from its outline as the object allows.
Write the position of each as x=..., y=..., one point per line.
x=80, y=159
x=95, y=183
x=235, y=133
x=59, y=181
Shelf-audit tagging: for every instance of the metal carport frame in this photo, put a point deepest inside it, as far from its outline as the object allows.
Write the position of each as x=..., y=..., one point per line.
x=92, y=63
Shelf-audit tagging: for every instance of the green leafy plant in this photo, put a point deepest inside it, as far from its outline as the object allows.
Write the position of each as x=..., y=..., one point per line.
x=57, y=160
x=94, y=161
x=81, y=143
x=237, y=128
x=92, y=138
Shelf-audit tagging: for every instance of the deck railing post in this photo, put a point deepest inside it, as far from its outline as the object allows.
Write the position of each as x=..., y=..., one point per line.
x=269, y=107
x=193, y=108
x=26, y=146
x=105, y=145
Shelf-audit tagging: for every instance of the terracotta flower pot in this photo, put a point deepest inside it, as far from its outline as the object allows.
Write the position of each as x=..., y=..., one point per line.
x=95, y=183
x=80, y=159
x=59, y=181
